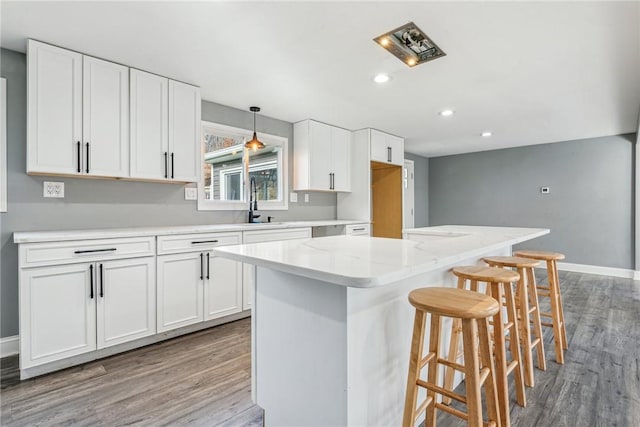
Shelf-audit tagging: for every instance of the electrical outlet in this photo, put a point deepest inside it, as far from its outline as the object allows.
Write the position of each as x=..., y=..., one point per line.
x=53, y=189
x=293, y=197
x=306, y=198
x=190, y=193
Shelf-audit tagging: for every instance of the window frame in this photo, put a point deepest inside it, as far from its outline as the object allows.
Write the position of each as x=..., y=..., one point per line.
x=282, y=164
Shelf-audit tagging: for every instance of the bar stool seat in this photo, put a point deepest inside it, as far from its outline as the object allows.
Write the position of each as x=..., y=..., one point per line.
x=528, y=311
x=555, y=296
x=473, y=310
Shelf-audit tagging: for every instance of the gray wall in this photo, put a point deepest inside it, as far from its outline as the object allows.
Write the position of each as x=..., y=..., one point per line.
x=590, y=209
x=92, y=203
x=421, y=188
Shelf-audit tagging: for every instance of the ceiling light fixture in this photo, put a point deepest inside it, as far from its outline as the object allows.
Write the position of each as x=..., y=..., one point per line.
x=381, y=78
x=486, y=134
x=254, y=144
x=446, y=113
x=410, y=45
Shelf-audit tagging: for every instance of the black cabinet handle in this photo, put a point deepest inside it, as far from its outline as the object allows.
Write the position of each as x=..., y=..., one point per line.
x=359, y=229
x=208, y=266
x=166, y=165
x=79, y=156
x=200, y=242
x=101, y=282
x=94, y=250
x=389, y=154
x=201, y=266
x=87, y=169
x=91, y=281
x=172, y=167
x=333, y=181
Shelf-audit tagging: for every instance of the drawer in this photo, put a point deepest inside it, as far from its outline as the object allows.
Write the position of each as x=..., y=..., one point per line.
x=358, y=230
x=74, y=251
x=257, y=236
x=181, y=243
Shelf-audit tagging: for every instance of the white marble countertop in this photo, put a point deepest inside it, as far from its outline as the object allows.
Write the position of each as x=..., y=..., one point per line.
x=360, y=261
x=109, y=233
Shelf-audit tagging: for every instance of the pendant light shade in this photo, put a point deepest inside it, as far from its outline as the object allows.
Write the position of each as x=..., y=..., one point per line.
x=255, y=143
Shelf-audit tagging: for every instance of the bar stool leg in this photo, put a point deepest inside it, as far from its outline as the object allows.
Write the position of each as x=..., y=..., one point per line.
x=555, y=314
x=472, y=371
x=537, y=323
x=525, y=327
x=417, y=346
x=500, y=356
x=563, y=327
x=454, y=350
x=486, y=359
x=514, y=345
x=434, y=347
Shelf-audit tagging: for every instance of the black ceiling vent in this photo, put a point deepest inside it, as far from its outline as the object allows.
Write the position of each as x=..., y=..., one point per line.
x=410, y=45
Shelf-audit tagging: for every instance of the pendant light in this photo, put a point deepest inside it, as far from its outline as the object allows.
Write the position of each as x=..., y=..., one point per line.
x=254, y=144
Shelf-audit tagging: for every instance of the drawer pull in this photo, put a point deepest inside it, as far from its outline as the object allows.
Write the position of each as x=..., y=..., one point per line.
x=201, y=266
x=88, y=251
x=101, y=282
x=208, y=265
x=359, y=229
x=91, y=281
x=201, y=242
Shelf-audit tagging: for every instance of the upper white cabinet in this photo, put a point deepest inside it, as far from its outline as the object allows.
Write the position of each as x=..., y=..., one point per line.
x=54, y=110
x=322, y=155
x=105, y=118
x=87, y=116
x=386, y=148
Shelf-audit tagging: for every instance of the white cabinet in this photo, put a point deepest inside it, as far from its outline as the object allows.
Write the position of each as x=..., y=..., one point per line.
x=126, y=300
x=54, y=110
x=165, y=128
x=258, y=236
x=74, y=302
x=105, y=118
x=192, y=284
x=386, y=148
x=77, y=114
x=358, y=230
x=322, y=156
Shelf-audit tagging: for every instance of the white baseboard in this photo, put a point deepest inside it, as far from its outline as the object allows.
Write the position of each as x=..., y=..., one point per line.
x=9, y=346
x=596, y=269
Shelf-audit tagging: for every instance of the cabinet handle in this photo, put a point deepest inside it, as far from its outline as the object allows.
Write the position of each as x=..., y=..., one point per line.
x=333, y=181
x=91, y=281
x=87, y=169
x=79, y=156
x=208, y=266
x=200, y=242
x=359, y=229
x=172, y=167
x=201, y=266
x=166, y=165
x=101, y=282
x=87, y=251
x=389, y=154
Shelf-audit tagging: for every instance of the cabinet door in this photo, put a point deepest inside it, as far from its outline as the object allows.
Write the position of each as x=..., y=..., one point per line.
x=379, y=152
x=54, y=109
x=319, y=156
x=126, y=300
x=223, y=287
x=341, y=159
x=397, y=149
x=57, y=313
x=105, y=115
x=248, y=284
x=180, y=290
x=149, y=122
x=184, y=131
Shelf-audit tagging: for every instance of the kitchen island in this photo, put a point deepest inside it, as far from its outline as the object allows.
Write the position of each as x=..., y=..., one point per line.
x=331, y=324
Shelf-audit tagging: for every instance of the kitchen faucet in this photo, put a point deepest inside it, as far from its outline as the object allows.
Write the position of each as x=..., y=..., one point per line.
x=253, y=200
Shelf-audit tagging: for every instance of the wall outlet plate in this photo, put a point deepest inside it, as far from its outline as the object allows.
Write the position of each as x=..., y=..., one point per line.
x=190, y=193
x=306, y=198
x=293, y=197
x=53, y=189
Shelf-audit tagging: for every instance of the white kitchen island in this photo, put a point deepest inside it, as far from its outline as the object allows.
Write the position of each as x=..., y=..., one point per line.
x=331, y=324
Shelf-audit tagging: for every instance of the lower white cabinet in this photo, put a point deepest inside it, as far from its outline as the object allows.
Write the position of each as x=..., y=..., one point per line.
x=73, y=309
x=223, y=287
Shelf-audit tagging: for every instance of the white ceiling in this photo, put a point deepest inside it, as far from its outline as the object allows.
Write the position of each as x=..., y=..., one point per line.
x=528, y=72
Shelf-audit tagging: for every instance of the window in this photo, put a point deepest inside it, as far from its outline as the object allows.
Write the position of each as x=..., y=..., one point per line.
x=228, y=167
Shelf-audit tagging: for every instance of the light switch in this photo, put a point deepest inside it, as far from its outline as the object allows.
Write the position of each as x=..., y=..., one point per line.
x=293, y=197
x=190, y=193
x=306, y=198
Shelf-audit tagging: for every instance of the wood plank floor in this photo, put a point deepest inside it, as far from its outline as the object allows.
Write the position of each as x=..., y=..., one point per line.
x=203, y=379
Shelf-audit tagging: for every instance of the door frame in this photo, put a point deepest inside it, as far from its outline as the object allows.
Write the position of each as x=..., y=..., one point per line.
x=408, y=165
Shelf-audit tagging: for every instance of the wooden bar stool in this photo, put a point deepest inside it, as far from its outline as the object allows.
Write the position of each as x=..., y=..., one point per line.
x=553, y=292
x=473, y=310
x=528, y=311
x=498, y=282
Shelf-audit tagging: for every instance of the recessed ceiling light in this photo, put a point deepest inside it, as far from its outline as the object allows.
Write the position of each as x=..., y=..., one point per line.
x=486, y=134
x=385, y=41
x=410, y=45
x=446, y=112
x=411, y=62
x=381, y=78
